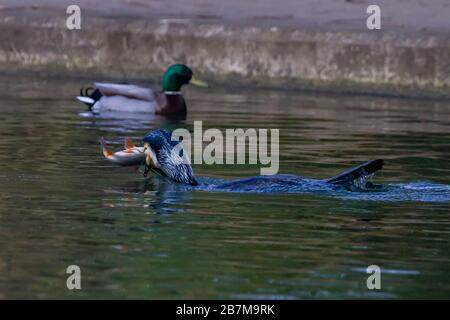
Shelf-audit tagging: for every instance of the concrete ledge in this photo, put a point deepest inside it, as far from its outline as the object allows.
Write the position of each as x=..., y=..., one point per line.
x=365, y=62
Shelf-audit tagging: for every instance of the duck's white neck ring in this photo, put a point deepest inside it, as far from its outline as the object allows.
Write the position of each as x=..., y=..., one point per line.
x=172, y=93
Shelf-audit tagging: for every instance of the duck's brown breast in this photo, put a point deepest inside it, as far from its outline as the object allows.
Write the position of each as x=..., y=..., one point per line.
x=171, y=105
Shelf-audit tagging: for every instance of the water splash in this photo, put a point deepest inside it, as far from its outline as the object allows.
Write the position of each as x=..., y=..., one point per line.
x=396, y=192
x=363, y=182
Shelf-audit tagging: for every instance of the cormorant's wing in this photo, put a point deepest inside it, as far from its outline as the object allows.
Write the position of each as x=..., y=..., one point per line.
x=127, y=90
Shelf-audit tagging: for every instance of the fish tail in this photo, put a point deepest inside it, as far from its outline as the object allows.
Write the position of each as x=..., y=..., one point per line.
x=107, y=153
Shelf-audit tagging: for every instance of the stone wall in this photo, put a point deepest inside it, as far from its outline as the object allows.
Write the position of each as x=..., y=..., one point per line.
x=121, y=48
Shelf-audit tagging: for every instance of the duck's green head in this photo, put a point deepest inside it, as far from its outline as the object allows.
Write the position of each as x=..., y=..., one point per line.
x=178, y=75
x=167, y=157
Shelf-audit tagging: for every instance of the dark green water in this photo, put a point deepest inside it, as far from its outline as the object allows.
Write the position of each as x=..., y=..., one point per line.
x=62, y=204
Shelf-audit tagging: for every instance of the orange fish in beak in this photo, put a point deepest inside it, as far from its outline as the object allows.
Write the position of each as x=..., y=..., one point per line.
x=130, y=156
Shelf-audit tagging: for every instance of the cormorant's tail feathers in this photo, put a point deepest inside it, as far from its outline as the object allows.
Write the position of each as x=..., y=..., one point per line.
x=352, y=175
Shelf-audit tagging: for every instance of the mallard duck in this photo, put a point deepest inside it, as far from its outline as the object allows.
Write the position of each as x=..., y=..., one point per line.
x=133, y=98
x=167, y=158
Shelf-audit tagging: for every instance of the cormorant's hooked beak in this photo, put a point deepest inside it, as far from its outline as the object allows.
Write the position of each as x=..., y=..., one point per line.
x=199, y=83
x=151, y=162
x=148, y=160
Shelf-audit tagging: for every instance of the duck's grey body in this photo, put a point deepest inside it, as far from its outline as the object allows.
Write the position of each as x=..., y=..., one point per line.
x=125, y=90
x=123, y=104
x=118, y=98
x=122, y=98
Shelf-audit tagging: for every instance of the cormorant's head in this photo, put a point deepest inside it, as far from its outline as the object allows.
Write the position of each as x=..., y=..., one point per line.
x=167, y=157
x=177, y=75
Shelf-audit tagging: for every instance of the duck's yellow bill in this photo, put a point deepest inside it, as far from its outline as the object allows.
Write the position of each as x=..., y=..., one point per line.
x=198, y=83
